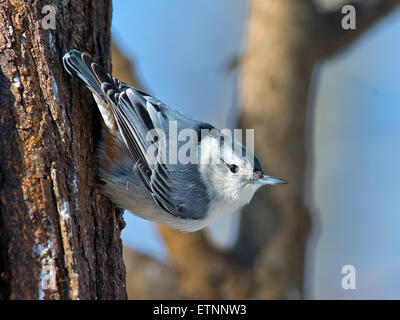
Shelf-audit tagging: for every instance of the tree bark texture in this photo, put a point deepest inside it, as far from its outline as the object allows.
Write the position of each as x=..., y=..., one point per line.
x=59, y=237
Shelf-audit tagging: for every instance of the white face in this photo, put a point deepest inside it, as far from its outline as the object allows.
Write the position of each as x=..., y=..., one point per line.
x=232, y=179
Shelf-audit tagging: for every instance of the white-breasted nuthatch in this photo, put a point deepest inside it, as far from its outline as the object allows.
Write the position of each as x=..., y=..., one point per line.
x=185, y=196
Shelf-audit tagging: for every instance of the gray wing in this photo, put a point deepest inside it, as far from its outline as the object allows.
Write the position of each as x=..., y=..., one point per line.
x=176, y=188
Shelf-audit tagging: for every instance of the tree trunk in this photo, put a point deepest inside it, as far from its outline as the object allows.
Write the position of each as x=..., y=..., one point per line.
x=274, y=100
x=59, y=237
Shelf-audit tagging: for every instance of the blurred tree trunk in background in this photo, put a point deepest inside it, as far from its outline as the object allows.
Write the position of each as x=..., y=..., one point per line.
x=59, y=237
x=286, y=38
x=276, y=74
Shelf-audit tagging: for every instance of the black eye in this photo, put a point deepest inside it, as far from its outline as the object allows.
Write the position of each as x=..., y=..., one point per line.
x=258, y=173
x=234, y=168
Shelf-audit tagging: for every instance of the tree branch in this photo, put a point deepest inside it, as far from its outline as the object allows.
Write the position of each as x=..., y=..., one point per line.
x=330, y=35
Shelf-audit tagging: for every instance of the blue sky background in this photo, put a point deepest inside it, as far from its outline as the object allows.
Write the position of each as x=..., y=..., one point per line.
x=356, y=178
x=181, y=49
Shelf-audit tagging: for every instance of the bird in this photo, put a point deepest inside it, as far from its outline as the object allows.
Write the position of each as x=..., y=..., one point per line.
x=139, y=156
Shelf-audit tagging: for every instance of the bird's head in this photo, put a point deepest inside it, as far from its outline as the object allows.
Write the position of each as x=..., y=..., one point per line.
x=237, y=173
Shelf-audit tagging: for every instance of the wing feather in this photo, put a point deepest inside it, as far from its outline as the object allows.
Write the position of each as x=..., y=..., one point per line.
x=137, y=113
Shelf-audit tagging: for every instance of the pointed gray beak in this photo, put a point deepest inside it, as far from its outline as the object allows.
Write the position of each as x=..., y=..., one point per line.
x=270, y=180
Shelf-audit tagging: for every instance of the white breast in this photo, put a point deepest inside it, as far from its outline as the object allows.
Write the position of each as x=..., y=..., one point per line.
x=219, y=208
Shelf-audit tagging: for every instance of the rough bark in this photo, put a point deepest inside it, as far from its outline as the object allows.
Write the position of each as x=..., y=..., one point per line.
x=59, y=237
